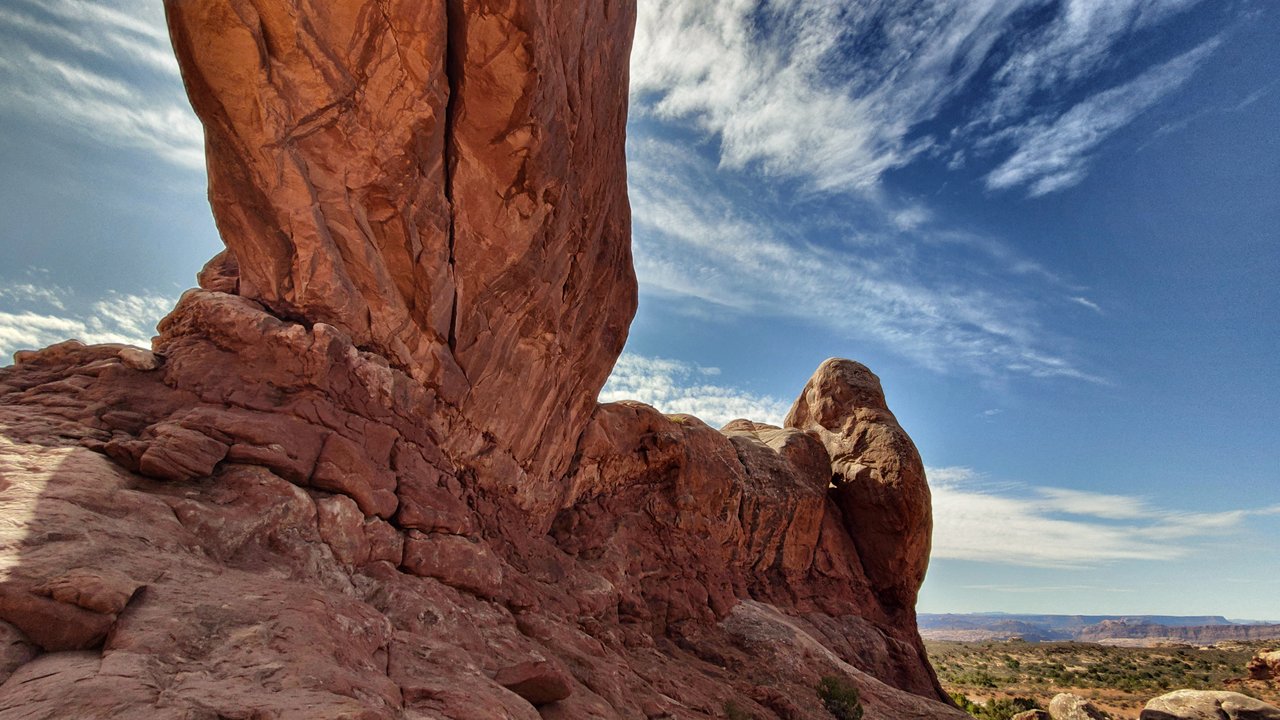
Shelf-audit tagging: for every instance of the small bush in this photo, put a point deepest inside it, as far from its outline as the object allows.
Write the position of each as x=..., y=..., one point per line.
x=963, y=702
x=995, y=709
x=735, y=712
x=840, y=698
x=1005, y=708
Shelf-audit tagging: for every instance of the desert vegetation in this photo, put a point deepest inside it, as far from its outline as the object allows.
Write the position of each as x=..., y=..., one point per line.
x=1003, y=708
x=840, y=698
x=990, y=679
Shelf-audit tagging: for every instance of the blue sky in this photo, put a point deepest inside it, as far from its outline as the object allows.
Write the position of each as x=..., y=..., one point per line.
x=1050, y=226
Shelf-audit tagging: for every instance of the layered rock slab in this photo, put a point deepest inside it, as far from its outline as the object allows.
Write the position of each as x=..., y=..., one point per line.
x=669, y=584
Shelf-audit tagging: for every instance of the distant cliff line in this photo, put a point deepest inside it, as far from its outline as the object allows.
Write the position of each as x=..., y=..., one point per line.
x=1205, y=629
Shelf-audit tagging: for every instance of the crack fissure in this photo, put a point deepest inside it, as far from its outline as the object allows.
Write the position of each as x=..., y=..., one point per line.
x=453, y=75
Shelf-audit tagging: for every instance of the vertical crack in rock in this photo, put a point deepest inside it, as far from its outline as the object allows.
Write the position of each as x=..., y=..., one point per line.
x=453, y=73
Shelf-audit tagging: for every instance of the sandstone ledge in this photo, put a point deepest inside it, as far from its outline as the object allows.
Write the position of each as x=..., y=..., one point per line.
x=680, y=567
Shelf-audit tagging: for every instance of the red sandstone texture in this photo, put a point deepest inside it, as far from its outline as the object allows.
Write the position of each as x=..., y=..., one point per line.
x=362, y=472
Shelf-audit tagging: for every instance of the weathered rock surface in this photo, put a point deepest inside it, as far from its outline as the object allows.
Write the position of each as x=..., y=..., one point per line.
x=1033, y=715
x=878, y=476
x=537, y=681
x=1066, y=706
x=444, y=183
x=1208, y=705
x=362, y=474
x=1265, y=665
x=687, y=565
x=15, y=650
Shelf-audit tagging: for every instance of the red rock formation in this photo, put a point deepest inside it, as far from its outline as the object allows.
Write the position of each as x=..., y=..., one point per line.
x=878, y=476
x=363, y=474
x=443, y=183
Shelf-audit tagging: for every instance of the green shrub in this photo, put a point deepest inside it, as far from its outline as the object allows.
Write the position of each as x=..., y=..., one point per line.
x=840, y=698
x=734, y=712
x=963, y=702
x=1005, y=708
x=1001, y=709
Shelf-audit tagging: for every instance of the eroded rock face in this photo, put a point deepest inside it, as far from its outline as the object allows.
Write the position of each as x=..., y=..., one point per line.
x=362, y=473
x=878, y=475
x=444, y=183
x=686, y=566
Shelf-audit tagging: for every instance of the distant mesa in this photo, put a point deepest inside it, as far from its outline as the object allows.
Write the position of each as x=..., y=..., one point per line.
x=1139, y=629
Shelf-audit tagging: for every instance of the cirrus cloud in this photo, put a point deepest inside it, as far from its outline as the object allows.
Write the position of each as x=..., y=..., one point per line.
x=1062, y=528
x=836, y=94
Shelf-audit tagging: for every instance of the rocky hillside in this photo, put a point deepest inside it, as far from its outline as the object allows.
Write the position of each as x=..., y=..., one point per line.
x=362, y=472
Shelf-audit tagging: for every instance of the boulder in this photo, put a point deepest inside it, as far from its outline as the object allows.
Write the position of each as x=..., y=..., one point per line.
x=1033, y=715
x=342, y=527
x=462, y=563
x=1066, y=706
x=1265, y=665
x=1208, y=705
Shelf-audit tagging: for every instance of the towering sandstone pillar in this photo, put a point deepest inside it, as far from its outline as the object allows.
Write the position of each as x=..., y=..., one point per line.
x=444, y=182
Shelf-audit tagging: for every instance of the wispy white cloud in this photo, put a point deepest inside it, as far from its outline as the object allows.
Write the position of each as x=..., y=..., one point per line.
x=672, y=387
x=143, y=20
x=791, y=100
x=1061, y=528
x=1086, y=302
x=1184, y=121
x=693, y=241
x=1053, y=154
x=26, y=292
x=1078, y=42
x=106, y=74
x=1096, y=505
x=835, y=93
x=33, y=317
x=1038, y=589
